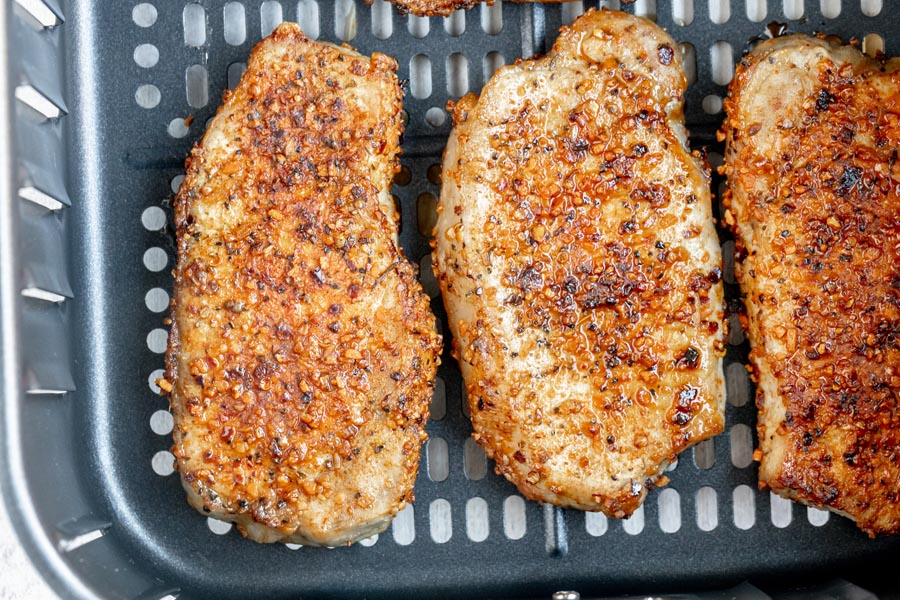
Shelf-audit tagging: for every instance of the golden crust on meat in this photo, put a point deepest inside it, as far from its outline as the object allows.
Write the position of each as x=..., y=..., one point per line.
x=441, y=8
x=578, y=260
x=812, y=131
x=303, y=350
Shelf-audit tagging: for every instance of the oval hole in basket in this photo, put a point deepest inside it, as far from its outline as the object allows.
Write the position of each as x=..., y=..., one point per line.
x=634, y=524
x=457, y=74
x=144, y=14
x=146, y=56
x=689, y=60
x=193, y=19
x=437, y=458
x=477, y=522
x=741, y=441
x=308, y=17
x=474, y=460
x=382, y=20
x=737, y=384
x=705, y=454
x=756, y=10
x=669, y=510
x=345, y=19
x=161, y=422
x=440, y=521
x=157, y=340
x=793, y=9
x=438, y=408
x=646, y=9
x=595, y=523
x=369, y=541
x=147, y=96
x=435, y=117
x=218, y=527
x=163, y=463
x=155, y=259
x=270, y=16
x=455, y=24
x=569, y=11
x=234, y=23
x=196, y=82
x=492, y=18
x=493, y=60
x=418, y=26
x=721, y=63
x=176, y=182
x=157, y=300
x=707, y=509
x=830, y=8
x=151, y=380
x=515, y=524
x=178, y=128
x=712, y=104
x=782, y=510
x=683, y=12
x=744, y=505
x=403, y=526
x=871, y=8
x=420, y=76
x=153, y=218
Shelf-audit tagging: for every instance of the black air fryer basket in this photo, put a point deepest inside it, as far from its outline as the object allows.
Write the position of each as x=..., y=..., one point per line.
x=101, y=101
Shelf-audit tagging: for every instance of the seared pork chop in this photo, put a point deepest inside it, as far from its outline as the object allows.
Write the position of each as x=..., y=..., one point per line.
x=577, y=257
x=302, y=351
x=812, y=135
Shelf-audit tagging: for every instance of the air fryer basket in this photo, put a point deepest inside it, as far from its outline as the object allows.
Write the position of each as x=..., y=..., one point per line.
x=103, y=100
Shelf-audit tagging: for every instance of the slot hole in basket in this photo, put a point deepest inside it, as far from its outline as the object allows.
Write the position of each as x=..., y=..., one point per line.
x=719, y=11
x=595, y=523
x=873, y=44
x=438, y=408
x=683, y=12
x=345, y=19
x=418, y=26
x=871, y=8
x=426, y=213
x=737, y=384
x=492, y=61
x=270, y=16
x=569, y=11
x=308, y=17
x=474, y=460
x=492, y=18
x=438, y=459
x=756, y=10
x=455, y=24
x=404, y=526
x=707, y=509
x=646, y=9
x=440, y=521
x=634, y=524
x=722, y=63
x=793, y=9
x=705, y=454
x=457, y=75
x=234, y=23
x=420, y=76
x=515, y=524
x=669, y=510
x=427, y=278
x=831, y=9
x=611, y=4
x=196, y=84
x=193, y=20
x=382, y=21
x=741, y=441
x=235, y=72
x=744, y=504
x=782, y=510
x=477, y=522
x=689, y=61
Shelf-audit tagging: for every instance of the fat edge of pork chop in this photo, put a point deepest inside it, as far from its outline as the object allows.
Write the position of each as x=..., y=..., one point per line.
x=577, y=257
x=303, y=351
x=812, y=131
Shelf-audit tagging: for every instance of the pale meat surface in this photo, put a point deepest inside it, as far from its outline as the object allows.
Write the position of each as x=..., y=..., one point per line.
x=577, y=257
x=812, y=134
x=303, y=351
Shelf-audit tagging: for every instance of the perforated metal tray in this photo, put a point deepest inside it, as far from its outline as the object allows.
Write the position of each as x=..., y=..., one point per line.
x=109, y=96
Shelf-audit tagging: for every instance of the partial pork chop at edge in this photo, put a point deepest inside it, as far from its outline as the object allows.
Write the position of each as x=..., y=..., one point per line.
x=303, y=351
x=812, y=135
x=577, y=256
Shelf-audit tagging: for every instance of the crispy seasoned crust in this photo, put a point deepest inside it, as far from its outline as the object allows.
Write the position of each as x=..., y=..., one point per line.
x=577, y=257
x=442, y=8
x=303, y=351
x=812, y=135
